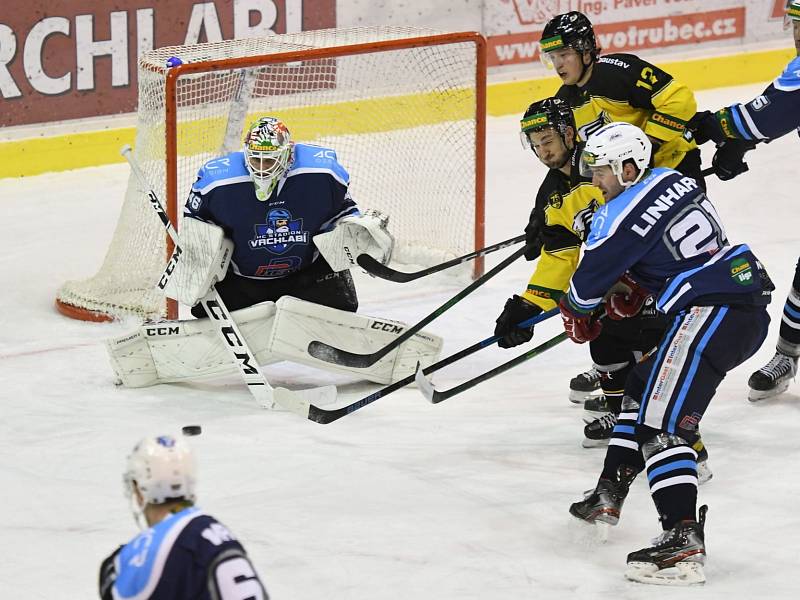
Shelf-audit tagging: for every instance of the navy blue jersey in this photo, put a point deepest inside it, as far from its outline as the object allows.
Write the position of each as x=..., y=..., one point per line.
x=187, y=555
x=273, y=238
x=774, y=113
x=667, y=234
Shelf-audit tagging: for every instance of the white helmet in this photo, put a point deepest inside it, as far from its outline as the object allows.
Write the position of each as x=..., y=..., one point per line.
x=612, y=145
x=163, y=469
x=267, y=150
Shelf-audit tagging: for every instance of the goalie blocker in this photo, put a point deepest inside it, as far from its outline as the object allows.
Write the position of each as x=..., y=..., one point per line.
x=176, y=351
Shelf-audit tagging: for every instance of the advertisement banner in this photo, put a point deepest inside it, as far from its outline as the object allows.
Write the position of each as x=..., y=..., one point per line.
x=514, y=27
x=67, y=59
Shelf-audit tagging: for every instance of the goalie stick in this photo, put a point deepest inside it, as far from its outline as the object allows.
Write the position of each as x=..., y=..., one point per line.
x=325, y=416
x=435, y=396
x=330, y=354
x=373, y=267
x=234, y=341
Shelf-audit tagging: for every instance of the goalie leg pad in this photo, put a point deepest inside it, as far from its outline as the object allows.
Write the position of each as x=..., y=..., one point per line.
x=298, y=323
x=175, y=351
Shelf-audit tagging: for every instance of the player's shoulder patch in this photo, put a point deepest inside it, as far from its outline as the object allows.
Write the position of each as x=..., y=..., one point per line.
x=142, y=560
x=221, y=171
x=309, y=158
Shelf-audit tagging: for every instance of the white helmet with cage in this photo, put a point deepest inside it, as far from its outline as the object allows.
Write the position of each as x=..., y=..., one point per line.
x=612, y=145
x=163, y=469
x=267, y=151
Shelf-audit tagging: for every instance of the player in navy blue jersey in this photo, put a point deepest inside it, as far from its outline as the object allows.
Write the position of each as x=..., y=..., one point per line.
x=660, y=232
x=737, y=129
x=270, y=200
x=182, y=552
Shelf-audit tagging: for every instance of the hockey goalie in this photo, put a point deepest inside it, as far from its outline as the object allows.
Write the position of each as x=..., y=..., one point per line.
x=274, y=229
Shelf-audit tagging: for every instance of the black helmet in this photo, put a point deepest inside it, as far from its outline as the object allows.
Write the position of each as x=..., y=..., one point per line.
x=550, y=112
x=570, y=30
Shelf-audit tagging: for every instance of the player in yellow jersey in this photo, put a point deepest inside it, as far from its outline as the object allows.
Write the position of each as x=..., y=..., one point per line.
x=621, y=87
x=561, y=220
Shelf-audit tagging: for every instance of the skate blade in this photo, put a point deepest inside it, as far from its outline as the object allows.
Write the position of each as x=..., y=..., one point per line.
x=758, y=395
x=682, y=574
x=592, y=415
x=587, y=443
x=578, y=397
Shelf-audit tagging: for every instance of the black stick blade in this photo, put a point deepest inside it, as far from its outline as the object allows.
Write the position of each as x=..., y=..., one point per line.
x=330, y=354
x=373, y=267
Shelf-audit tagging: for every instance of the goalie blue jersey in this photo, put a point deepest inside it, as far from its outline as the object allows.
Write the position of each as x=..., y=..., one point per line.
x=273, y=238
x=667, y=234
x=774, y=113
x=187, y=555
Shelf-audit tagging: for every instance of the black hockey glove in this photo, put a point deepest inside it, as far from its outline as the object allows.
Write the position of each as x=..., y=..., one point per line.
x=533, y=236
x=515, y=311
x=108, y=575
x=728, y=160
x=704, y=127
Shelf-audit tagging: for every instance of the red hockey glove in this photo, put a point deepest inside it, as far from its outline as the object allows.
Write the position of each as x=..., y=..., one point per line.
x=621, y=305
x=579, y=327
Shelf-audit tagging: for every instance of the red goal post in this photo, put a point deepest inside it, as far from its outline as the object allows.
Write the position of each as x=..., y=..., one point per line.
x=402, y=114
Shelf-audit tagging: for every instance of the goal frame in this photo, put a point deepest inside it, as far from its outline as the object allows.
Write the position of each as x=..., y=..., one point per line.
x=173, y=203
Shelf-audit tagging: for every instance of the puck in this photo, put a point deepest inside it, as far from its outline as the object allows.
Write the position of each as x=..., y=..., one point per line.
x=191, y=430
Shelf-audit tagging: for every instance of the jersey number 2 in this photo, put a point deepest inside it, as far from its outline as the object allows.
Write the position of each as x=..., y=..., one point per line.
x=695, y=231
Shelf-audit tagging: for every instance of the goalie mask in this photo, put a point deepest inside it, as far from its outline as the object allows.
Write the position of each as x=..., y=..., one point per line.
x=267, y=151
x=614, y=144
x=163, y=469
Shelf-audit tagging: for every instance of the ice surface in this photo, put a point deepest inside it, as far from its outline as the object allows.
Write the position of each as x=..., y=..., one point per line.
x=403, y=499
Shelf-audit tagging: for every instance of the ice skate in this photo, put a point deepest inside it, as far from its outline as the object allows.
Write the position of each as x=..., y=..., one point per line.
x=604, y=503
x=676, y=557
x=598, y=432
x=584, y=385
x=773, y=378
x=595, y=407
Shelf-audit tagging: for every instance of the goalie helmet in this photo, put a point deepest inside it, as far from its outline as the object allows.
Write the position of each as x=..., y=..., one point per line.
x=612, y=145
x=550, y=112
x=267, y=150
x=163, y=469
x=569, y=30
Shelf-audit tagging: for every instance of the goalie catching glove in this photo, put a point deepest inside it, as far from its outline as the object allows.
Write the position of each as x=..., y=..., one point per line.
x=364, y=234
x=200, y=261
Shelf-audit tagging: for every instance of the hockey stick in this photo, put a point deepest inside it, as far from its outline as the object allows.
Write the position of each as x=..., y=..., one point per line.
x=373, y=267
x=232, y=338
x=330, y=354
x=711, y=170
x=435, y=396
x=325, y=416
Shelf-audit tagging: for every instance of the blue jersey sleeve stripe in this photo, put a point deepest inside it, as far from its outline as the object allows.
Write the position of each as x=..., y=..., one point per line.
x=739, y=123
x=752, y=124
x=337, y=176
x=220, y=182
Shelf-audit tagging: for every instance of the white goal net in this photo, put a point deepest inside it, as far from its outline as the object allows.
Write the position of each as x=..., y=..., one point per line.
x=403, y=108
